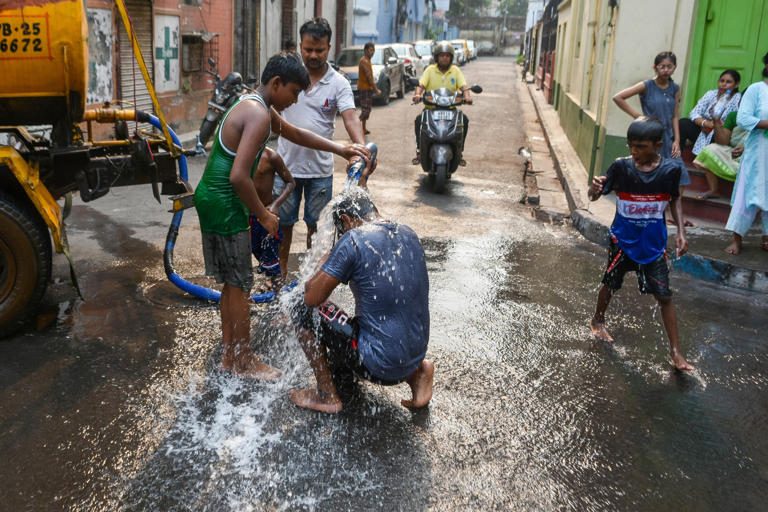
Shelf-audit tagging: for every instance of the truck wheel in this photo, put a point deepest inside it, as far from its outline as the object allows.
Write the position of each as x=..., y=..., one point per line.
x=441, y=177
x=25, y=263
x=206, y=130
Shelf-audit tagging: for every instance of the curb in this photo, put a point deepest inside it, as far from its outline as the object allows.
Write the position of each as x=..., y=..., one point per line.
x=593, y=229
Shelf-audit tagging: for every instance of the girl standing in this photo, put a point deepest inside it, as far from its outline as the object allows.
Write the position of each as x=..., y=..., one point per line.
x=659, y=98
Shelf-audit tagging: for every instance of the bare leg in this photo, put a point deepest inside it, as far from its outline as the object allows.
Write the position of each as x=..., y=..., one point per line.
x=421, y=382
x=325, y=397
x=670, y=325
x=598, y=321
x=711, y=185
x=311, y=230
x=285, y=249
x=228, y=355
x=735, y=246
x=244, y=362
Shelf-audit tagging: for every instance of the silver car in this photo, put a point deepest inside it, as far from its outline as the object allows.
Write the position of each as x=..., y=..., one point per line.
x=407, y=54
x=388, y=71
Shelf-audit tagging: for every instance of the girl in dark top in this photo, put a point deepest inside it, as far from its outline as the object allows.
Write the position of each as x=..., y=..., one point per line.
x=659, y=98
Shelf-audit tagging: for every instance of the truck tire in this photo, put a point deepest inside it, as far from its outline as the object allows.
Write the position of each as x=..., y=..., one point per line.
x=25, y=263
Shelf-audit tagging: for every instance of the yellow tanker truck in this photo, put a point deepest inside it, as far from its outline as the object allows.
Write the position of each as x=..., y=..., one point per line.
x=43, y=81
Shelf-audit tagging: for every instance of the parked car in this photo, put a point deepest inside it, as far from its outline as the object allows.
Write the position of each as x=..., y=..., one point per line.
x=461, y=47
x=388, y=71
x=472, y=49
x=424, y=49
x=486, y=48
x=406, y=53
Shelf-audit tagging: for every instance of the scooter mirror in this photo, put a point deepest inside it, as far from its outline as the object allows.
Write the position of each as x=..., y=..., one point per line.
x=476, y=89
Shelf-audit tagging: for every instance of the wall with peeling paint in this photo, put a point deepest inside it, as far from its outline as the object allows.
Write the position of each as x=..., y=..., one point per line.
x=100, y=62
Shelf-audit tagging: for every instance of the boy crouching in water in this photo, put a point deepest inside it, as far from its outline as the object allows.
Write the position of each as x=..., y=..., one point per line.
x=226, y=194
x=644, y=183
x=266, y=248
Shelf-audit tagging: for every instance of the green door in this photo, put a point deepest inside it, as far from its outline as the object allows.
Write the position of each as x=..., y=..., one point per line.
x=727, y=35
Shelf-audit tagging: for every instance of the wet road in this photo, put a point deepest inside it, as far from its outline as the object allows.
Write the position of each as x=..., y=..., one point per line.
x=118, y=404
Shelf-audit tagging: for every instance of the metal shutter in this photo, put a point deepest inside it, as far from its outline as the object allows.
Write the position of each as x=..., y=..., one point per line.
x=133, y=90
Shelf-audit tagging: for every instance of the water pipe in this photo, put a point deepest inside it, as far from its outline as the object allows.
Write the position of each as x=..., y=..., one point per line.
x=196, y=290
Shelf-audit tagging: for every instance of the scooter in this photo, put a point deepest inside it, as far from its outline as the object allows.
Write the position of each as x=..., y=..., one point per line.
x=224, y=95
x=442, y=135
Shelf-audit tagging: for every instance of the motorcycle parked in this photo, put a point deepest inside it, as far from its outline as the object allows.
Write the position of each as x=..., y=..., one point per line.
x=225, y=93
x=442, y=134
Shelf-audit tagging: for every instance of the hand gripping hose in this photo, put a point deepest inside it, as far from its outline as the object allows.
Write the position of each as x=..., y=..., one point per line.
x=201, y=292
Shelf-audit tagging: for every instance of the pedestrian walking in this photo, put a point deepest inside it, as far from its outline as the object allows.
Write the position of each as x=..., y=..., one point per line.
x=366, y=85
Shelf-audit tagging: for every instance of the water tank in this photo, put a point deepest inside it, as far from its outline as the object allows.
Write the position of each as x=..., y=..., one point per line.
x=43, y=61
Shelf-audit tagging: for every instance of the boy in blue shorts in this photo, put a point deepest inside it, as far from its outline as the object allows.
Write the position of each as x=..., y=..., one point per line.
x=644, y=184
x=226, y=195
x=266, y=248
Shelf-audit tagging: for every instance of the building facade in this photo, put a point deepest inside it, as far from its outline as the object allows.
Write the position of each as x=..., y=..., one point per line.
x=604, y=46
x=179, y=37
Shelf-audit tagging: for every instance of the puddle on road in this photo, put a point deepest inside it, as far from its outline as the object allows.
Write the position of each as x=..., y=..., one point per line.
x=528, y=413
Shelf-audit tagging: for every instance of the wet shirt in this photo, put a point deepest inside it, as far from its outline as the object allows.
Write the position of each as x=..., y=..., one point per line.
x=433, y=78
x=315, y=111
x=385, y=267
x=641, y=198
x=220, y=209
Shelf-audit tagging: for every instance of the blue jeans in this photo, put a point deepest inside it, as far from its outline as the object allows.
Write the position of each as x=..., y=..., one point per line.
x=317, y=193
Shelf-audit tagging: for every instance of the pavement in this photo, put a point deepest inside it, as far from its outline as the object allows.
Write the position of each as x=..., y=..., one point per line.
x=705, y=259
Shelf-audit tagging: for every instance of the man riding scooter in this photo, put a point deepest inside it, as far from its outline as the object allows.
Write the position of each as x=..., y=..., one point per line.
x=442, y=74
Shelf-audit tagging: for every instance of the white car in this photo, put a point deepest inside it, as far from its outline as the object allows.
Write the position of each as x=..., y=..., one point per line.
x=407, y=54
x=459, y=56
x=388, y=71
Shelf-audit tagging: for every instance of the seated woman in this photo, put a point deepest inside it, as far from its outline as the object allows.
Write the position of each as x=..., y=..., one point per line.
x=714, y=105
x=721, y=158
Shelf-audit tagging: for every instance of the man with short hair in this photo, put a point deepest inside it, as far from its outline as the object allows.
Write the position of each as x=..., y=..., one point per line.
x=329, y=92
x=386, y=341
x=366, y=84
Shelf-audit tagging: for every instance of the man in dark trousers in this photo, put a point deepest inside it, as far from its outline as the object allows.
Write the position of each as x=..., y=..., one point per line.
x=386, y=341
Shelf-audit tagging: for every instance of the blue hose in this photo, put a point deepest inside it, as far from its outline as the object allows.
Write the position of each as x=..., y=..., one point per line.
x=201, y=292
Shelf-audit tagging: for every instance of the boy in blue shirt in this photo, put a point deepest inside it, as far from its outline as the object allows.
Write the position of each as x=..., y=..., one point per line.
x=644, y=184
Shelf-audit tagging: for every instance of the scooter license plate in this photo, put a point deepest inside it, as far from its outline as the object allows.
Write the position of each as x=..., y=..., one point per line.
x=442, y=115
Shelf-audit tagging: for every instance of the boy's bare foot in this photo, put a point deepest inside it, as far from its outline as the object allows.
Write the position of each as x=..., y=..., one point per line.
x=734, y=248
x=421, y=382
x=254, y=368
x=599, y=331
x=681, y=364
x=310, y=398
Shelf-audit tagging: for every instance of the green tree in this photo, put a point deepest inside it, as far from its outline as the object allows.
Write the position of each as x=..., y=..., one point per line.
x=467, y=8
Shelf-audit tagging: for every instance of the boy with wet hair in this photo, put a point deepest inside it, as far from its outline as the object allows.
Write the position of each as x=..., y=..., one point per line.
x=226, y=193
x=386, y=341
x=644, y=184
